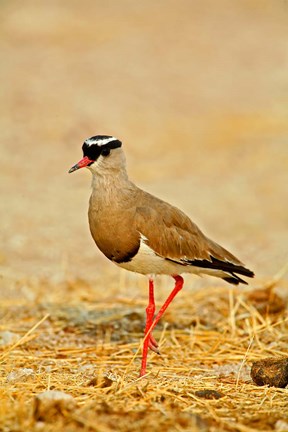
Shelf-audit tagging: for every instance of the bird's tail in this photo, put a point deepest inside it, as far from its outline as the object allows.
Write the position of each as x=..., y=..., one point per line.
x=231, y=269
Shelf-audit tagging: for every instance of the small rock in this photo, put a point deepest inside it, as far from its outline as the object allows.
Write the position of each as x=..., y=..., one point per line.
x=266, y=301
x=20, y=374
x=281, y=425
x=52, y=404
x=209, y=394
x=100, y=382
x=270, y=371
x=106, y=380
x=87, y=368
x=8, y=338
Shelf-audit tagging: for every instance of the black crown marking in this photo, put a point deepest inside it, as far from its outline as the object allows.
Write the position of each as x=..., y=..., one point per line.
x=94, y=146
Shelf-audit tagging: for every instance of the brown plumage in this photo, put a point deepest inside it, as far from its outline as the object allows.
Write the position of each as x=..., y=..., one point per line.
x=142, y=233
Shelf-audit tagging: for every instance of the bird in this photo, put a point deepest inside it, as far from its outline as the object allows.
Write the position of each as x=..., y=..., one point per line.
x=141, y=233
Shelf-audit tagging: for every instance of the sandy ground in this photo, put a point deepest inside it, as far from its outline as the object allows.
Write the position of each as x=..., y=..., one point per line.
x=197, y=92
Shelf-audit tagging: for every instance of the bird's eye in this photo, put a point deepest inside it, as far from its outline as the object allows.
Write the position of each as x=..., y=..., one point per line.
x=105, y=152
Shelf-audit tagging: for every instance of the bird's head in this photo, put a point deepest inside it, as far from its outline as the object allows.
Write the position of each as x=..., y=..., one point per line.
x=98, y=151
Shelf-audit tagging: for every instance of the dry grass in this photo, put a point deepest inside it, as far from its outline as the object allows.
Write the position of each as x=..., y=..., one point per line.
x=197, y=91
x=91, y=350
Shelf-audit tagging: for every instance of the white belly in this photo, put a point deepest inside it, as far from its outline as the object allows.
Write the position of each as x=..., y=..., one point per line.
x=146, y=261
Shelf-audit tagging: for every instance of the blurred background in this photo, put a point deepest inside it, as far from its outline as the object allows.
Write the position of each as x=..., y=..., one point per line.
x=196, y=91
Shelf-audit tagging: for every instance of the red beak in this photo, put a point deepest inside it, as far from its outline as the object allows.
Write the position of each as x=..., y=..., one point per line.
x=81, y=164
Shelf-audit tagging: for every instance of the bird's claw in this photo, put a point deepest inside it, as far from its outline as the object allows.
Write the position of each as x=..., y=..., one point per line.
x=153, y=344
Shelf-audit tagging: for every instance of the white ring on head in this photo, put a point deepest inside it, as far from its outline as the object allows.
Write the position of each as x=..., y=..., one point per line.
x=99, y=141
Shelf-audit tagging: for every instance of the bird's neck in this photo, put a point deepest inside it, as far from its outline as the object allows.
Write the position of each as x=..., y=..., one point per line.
x=112, y=187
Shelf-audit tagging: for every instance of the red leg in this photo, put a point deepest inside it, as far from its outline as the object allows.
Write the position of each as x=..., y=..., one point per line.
x=150, y=311
x=148, y=329
x=178, y=286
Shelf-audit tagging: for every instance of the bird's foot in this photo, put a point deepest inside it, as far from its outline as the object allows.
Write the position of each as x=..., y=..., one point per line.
x=153, y=344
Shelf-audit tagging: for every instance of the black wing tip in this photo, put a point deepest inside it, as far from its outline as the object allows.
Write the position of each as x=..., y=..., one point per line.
x=232, y=269
x=232, y=280
x=246, y=272
x=252, y=274
x=235, y=280
x=217, y=264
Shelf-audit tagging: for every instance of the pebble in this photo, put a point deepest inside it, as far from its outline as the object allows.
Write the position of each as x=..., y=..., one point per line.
x=209, y=394
x=52, y=404
x=270, y=371
x=19, y=375
x=8, y=338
